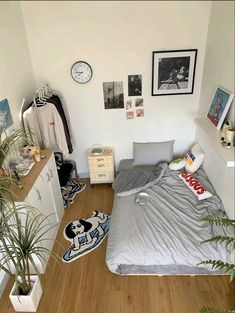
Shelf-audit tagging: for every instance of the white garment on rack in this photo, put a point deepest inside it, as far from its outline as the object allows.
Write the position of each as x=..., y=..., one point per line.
x=46, y=128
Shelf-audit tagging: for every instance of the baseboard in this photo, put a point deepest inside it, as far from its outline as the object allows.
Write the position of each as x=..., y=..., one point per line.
x=3, y=281
x=84, y=175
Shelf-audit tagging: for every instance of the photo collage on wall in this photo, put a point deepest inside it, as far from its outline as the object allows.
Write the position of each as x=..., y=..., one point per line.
x=114, y=96
x=134, y=107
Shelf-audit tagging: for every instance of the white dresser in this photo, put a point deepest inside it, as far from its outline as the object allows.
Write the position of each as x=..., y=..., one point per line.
x=101, y=167
x=41, y=189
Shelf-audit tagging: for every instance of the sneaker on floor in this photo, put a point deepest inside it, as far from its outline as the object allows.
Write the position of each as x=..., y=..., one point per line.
x=76, y=187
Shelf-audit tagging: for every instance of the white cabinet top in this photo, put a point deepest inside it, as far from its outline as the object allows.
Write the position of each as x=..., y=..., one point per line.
x=214, y=135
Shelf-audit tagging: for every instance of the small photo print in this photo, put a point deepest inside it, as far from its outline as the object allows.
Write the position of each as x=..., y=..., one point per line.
x=129, y=115
x=113, y=95
x=129, y=104
x=134, y=85
x=140, y=113
x=139, y=102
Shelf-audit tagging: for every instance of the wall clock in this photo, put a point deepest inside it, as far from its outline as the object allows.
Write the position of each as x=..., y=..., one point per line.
x=81, y=72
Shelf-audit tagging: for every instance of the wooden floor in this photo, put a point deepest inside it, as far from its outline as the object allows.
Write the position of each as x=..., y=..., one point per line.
x=87, y=286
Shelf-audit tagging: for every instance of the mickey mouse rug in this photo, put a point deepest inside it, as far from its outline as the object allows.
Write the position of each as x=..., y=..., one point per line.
x=85, y=235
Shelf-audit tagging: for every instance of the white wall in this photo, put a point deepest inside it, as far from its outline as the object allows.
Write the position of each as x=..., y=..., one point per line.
x=117, y=38
x=219, y=70
x=16, y=74
x=219, y=59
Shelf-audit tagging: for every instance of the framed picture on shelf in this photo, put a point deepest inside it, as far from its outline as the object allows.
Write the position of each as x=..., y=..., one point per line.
x=219, y=107
x=173, y=72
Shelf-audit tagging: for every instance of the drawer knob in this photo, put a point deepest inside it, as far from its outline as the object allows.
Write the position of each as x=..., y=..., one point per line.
x=101, y=175
x=100, y=159
x=100, y=165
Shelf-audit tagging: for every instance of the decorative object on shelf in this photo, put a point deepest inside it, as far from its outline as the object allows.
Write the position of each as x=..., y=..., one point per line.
x=173, y=72
x=219, y=107
x=226, y=126
x=134, y=85
x=113, y=95
x=81, y=72
x=230, y=135
x=222, y=141
x=5, y=116
x=97, y=149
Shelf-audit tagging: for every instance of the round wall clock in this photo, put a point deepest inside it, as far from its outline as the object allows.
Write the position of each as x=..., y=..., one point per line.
x=81, y=72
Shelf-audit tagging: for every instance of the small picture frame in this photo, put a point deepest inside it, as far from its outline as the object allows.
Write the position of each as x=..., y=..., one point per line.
x=173, y=72
x=219, y=107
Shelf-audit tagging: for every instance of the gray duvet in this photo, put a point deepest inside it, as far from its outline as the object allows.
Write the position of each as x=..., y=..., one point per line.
x=164, y=235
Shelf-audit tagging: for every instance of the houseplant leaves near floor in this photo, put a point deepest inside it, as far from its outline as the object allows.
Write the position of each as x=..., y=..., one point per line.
x=229, y=242
x=22, y=231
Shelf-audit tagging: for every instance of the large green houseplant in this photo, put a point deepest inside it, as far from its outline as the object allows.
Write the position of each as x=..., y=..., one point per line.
x=229, y=242
x=23, y=229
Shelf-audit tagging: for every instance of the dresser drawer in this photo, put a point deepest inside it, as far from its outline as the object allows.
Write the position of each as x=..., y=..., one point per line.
x=104, y=165
x=102, y=176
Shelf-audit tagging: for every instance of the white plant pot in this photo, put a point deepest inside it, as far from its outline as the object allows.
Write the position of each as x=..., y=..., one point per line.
x=30, y=302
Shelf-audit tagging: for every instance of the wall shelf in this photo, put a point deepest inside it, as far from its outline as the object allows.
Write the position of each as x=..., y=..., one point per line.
x=214, y=136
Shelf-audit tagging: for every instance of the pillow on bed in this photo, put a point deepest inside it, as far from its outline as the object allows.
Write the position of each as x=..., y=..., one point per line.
x=151, y=153
x=195, y=186
x=194, y=159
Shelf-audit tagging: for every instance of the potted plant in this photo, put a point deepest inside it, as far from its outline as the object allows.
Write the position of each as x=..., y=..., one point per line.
x=228, y=268
x=23, y=229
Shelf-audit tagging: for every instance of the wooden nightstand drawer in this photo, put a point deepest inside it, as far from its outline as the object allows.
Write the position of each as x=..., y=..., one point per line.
x=99, y=177
x=105, y=165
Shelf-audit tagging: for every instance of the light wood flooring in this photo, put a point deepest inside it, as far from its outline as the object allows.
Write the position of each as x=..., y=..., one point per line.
x=87, y=286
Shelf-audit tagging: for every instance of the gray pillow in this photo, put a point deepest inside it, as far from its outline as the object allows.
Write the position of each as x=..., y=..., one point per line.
x=150, y=153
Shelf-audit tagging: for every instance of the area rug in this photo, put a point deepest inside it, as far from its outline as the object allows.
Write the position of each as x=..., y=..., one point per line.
x=73, y=189
x=85, y=235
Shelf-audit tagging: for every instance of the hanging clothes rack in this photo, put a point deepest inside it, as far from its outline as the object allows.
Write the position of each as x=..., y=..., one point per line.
x=46, y=96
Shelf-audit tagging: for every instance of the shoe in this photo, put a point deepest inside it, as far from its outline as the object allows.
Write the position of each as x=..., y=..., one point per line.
x=76, y=187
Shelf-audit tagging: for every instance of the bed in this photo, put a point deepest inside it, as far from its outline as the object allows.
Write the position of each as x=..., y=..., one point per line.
x=163, y=236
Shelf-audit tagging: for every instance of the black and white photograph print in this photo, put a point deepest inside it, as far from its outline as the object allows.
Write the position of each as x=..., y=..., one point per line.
x=113, y=95
x=173, y=72
x=128, y=104
x=139, y=102
x=134, y=85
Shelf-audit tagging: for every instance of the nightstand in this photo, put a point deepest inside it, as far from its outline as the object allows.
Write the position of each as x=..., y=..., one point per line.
x=101, y=167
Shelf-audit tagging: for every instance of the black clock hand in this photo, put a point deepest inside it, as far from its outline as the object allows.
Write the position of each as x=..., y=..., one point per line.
x=79, y=73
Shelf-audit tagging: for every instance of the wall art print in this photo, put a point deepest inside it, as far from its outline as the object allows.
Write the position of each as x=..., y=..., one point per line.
x=219, y=107
x=5, y=116
x=173, y=72
x=113, y=95
x=134, y=85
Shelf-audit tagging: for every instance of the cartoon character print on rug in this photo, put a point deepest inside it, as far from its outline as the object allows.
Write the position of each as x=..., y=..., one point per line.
x=85, y=235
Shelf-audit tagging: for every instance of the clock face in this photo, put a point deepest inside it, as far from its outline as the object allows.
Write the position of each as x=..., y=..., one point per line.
x=81, y=72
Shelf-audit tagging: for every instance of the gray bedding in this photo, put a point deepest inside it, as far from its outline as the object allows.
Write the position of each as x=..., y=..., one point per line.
x=163, y=236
